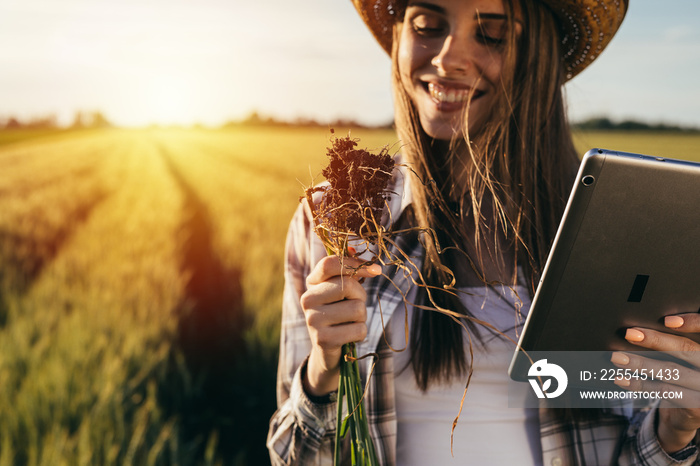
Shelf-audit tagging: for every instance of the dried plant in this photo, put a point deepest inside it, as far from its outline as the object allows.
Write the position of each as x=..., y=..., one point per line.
x=355, y=196
x=351, y=206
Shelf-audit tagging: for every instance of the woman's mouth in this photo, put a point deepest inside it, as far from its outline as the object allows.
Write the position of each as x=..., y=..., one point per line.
x=450, y=98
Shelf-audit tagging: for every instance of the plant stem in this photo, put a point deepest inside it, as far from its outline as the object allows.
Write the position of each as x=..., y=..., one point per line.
x=350, y=391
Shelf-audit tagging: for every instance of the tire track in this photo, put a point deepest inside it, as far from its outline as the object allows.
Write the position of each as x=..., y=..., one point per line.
x=210, y=332
x=242, y=392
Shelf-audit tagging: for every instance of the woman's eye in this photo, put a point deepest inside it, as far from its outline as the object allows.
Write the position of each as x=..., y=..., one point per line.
x=426, y=26
x=489, y=40
x=492, y=34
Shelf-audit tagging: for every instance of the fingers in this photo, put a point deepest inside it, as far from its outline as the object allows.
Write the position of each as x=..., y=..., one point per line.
x=336, y=319
x=660, y=341
x=648, y=374
x=654, y=370
x=335, y=314
x=681, y=347
x=335, y=310
x=334, y=303
x=676, y=384
x=330, y=327
x=332, y=290
x=333, y=322
x=687, y=323
x=331, y=339
x=335, y=279
x=334, y=266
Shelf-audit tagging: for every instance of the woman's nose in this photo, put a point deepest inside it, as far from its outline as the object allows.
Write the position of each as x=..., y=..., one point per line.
x=455, y=57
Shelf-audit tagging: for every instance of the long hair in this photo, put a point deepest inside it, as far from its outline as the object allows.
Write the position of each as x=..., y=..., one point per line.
x=516, y=171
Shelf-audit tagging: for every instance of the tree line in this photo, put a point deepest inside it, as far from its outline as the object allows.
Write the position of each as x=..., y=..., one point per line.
x=606, y=124
x=81, y=119
x=592, y=124
x=255, y=119
x=96, y=119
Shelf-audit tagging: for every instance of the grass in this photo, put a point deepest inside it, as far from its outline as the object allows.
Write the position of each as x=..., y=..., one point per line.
x=11, y=136
x=684, y=146
x=140, y=287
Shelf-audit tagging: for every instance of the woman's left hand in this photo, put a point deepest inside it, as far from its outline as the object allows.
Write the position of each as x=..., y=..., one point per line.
x=678, y=420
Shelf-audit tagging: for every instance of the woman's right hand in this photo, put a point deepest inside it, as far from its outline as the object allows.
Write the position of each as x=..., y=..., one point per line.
x=335, y=308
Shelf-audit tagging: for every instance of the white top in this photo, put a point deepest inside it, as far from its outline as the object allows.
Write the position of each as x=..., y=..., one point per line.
x=487, y=428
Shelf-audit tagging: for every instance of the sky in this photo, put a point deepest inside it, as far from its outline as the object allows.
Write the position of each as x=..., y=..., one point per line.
x=141, y=62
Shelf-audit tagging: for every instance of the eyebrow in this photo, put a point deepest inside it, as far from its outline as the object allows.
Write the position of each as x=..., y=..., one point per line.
x=490, y=16
x=497, y=16
x=428, y=6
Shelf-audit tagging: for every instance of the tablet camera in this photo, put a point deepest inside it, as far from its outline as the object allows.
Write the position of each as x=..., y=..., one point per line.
x=588, y=180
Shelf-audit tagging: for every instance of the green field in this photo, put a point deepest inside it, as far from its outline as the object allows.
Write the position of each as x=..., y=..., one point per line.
x=140, y=287
x=684, y=146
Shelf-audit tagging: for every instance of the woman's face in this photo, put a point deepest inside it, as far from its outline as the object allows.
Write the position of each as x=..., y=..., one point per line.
x=450, y=57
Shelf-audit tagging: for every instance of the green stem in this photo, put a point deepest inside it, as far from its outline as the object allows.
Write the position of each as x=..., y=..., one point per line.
x=340, y=424
x=350, y=390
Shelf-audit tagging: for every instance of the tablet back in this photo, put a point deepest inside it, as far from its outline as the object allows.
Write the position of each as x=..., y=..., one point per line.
x=627, y=253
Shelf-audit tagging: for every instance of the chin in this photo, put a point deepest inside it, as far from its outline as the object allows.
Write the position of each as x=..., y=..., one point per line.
x=443, y=130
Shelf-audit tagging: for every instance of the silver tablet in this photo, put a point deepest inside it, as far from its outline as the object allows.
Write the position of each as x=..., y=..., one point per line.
x=627, y=253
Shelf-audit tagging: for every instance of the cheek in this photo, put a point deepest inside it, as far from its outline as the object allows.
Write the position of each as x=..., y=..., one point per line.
x=491, y=72
x=406, y=68
x=405, y=57
x=413, y=59
x=495, y=69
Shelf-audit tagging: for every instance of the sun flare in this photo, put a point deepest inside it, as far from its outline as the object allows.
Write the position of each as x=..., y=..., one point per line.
x=170, y=100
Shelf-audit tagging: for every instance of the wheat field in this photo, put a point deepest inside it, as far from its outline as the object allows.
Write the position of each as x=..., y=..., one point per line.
x=140, y=287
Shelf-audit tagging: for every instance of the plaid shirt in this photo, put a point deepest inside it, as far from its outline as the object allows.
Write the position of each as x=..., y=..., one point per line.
x=302, y=432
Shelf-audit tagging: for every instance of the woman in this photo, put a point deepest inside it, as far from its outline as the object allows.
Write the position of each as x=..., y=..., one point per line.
x=480, y=115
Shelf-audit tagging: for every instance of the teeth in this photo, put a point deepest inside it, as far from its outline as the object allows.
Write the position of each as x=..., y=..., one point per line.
x=442, y=94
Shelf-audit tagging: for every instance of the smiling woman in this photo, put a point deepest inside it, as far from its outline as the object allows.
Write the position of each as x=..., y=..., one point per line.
x=450, y=57
x=480, y=114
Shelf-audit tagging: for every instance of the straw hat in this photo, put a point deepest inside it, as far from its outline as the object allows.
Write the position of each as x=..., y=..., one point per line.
x=587, y=26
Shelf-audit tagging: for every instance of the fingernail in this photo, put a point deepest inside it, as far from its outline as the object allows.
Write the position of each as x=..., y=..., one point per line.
x=374, y=269
x=634, y=335
x=351, y=251
x=622, y=382
x=673, y=321
x=620, y=359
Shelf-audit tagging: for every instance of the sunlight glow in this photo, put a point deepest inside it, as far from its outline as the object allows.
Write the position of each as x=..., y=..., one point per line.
x=169, y=100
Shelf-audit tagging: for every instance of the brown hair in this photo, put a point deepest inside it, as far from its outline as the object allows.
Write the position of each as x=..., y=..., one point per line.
x=518, y=167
